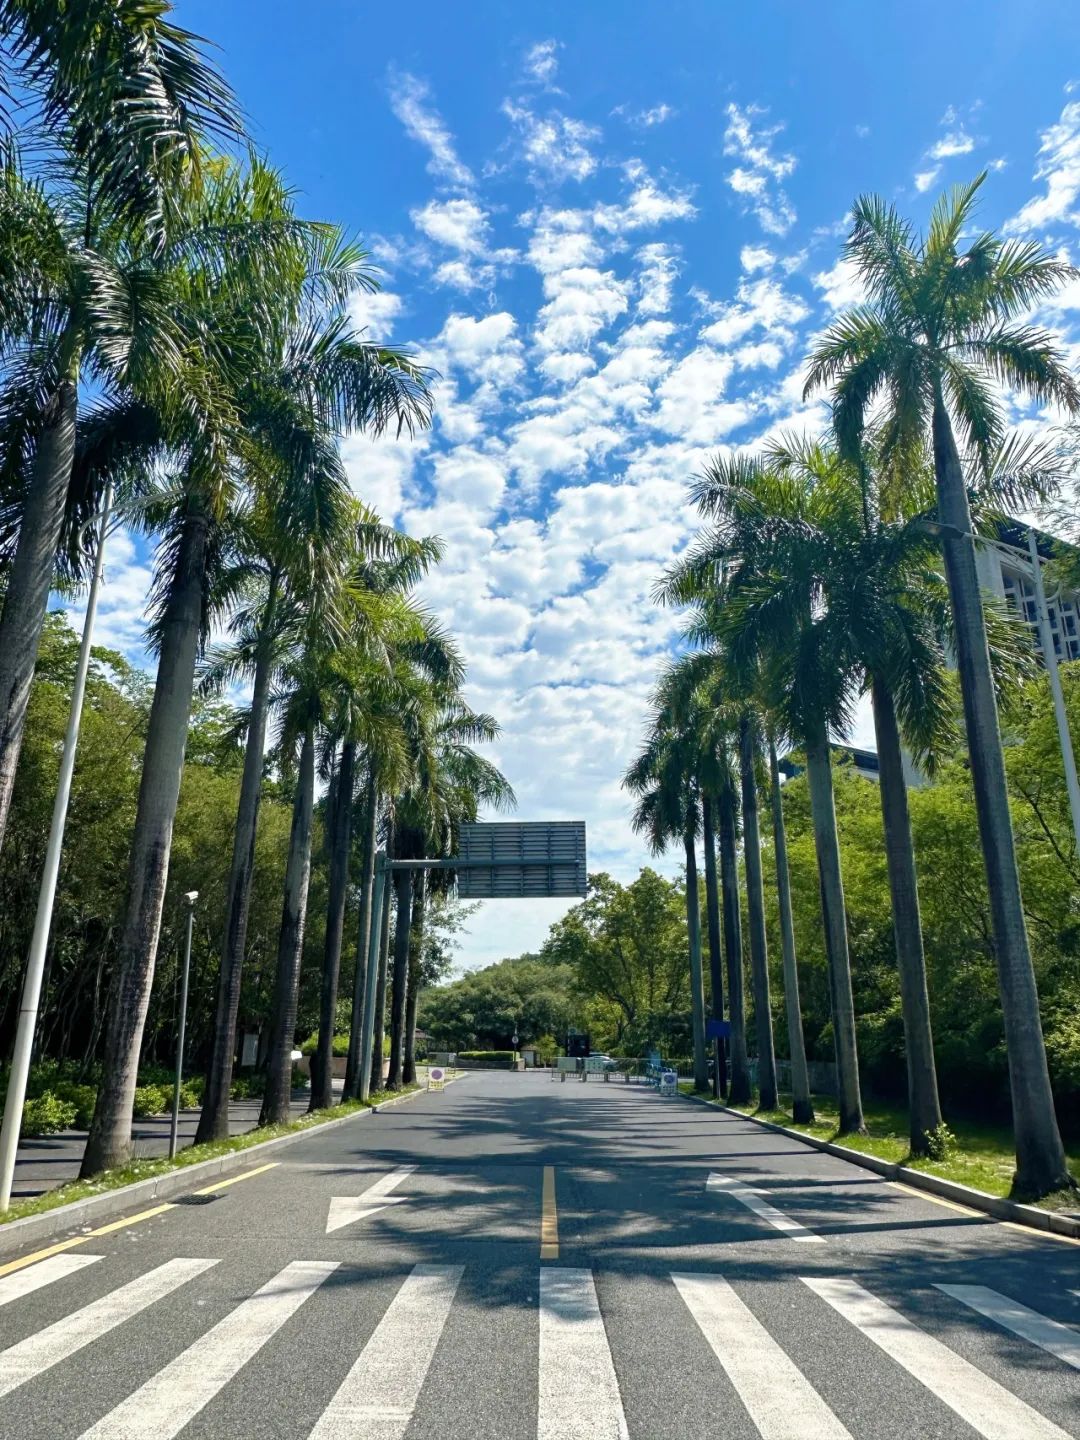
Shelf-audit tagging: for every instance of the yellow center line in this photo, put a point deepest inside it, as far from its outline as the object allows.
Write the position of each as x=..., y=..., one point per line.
x=21, y=1264
x=549, y=1218
x=235, y=1180
x=114, y=1225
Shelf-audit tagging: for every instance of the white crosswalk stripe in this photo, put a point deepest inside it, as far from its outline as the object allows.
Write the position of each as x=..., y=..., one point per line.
x=990, y=1409
x=579, y=1392
x=65, y=1337
x=1050, y=1335
x=378, y=1396
x=164, y=1405
x=35, y=1277
x=776, y=1218
x=781, y=1401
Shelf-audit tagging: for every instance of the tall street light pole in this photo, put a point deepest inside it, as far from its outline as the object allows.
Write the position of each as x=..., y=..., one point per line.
x=39, y=943
x=190, y=897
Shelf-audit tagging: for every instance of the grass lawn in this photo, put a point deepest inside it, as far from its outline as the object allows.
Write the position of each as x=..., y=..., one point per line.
x=190, y=1155
x=983, y=1157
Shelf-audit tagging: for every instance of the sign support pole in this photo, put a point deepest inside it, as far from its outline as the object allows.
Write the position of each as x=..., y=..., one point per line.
x=372, y=977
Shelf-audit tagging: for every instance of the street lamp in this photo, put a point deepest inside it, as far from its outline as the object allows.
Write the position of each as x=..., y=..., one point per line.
x=190, y=897
x=39, y=942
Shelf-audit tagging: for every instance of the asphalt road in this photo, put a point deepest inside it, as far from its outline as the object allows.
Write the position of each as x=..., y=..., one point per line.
x=700, y=1277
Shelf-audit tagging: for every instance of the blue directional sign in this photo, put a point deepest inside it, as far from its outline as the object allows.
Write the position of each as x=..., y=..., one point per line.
x=717, y=1029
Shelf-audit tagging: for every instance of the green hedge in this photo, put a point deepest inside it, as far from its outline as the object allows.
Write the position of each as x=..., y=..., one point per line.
x=46, y=1114
x=311, y=1044
x=505, y=1059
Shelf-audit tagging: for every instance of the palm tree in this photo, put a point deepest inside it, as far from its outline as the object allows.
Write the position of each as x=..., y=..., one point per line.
x=121, y=104
x=697, y=691
x=755, y=907
x=802, y=1108
x=200, y=514
x=752, y=595
x=450, y=782
x=664, y=777
x=939, y=333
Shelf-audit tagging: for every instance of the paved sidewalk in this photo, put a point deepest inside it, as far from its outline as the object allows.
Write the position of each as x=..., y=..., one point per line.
x=53, y=1160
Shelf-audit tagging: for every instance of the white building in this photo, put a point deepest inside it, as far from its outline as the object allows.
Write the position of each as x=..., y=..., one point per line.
x=1004, y=567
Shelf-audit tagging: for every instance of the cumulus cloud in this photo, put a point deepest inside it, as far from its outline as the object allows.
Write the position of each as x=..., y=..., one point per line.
x=409, y=99
x=840, y=286
x=375, y=313
x=758, y=177
x=647, y=205
x=925, y=178
x=460, y=224
x=542, y=62
x=555, y=146
x=647, y=118
x=1058, y=168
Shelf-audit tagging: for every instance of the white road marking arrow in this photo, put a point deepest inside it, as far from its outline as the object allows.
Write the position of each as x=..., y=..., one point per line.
x=347, y=1209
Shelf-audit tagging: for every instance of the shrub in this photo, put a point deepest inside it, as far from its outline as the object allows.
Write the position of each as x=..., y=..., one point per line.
x=190, y=1095
x=248, y=1087
x=311, y=1044
x=940, y=1142
x=499, y=1058
x=151, y=1100
x=83, y=1097
x=46, y=1114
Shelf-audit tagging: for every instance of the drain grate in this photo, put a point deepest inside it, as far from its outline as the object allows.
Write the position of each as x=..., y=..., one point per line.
x=197, y=1199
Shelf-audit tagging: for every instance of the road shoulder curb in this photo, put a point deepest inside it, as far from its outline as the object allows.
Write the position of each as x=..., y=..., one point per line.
x=996, y=1206
x=69, y=1220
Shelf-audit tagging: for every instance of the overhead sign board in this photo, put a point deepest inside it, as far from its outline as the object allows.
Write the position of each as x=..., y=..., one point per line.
x=527, y=859
x=717, y=1029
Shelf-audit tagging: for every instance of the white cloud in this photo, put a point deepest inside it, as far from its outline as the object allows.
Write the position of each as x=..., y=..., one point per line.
x=758, y=175
x=408, y=99
x=1058, y=166
x=645, y=119
x=659, y=267
x=756, y=257
x=648, y=205
x=925, y=178
x=956, y=142
x=555, y=146
x=375, y=313
x=461, y=224
x=541, y=61
x=840, y=286
x=758, y=304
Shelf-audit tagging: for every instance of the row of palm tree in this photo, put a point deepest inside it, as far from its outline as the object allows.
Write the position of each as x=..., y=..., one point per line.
x=175, y=336
x=831, y=568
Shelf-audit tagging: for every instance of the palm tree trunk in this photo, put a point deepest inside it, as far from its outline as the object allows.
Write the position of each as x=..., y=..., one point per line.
x=214, y=1118
x=755, y=907
x=924, y=1108
x=322, y=1089
x=697, y=988
x=278, y=1093
x=712, y=916
x=1040, y=1157
x=29, y=579
x=834, y=915
x=362, y=979
x=379, y=1034
x=399, y=984
x=802, y=1109
x=416, y=957
x=109, y=1141
x=741, y=1091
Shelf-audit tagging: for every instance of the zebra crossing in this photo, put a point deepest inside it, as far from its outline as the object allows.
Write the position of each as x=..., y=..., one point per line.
x=580, y=1378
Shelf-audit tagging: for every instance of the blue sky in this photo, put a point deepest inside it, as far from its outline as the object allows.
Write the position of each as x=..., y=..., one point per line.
x=613, y=228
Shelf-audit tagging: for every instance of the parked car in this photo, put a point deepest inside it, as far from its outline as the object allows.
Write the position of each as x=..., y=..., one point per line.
x=609, y=1063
